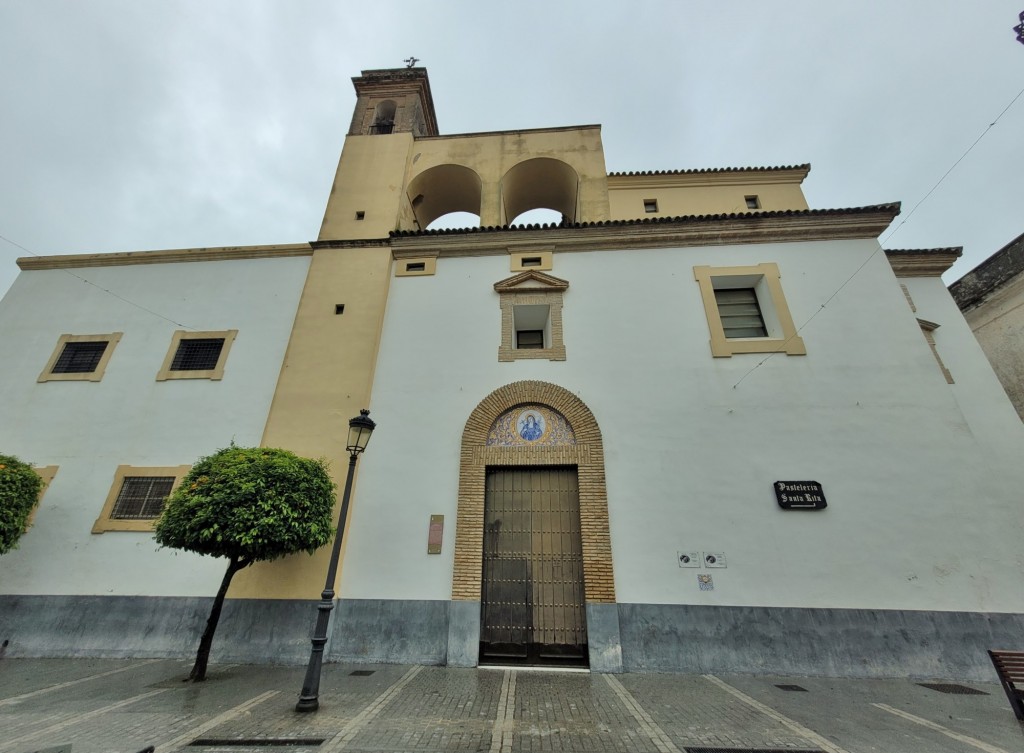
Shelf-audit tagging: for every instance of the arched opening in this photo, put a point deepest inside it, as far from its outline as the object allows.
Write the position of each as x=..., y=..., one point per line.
x=537, y=217
x=454, y=221
x=441, y=190
x=561, y=444
x=384, y=117
x=540, y=183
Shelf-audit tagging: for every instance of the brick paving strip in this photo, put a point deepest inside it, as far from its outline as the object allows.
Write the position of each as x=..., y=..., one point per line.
x=69, y=683
x=186, y=737
x=78, y=719
x=651, y=728
x=501, y=737
x=939, y=728
x=355, y=725
x=814, y=737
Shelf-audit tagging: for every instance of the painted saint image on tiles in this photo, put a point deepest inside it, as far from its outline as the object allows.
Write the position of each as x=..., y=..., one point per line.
x=530, y=425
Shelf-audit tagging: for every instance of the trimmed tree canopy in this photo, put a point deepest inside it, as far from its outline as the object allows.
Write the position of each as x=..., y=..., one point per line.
x=250, y=504
x=19, y=492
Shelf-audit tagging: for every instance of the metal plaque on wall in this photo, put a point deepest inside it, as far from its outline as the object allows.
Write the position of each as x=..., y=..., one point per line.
x=436, y=534
x=799, y=495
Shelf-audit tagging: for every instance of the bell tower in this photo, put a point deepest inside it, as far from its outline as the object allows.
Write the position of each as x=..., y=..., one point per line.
x=393, y=109
x=396, y=100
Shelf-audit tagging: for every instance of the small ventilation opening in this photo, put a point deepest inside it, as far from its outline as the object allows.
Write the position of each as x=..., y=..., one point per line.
x=792, y=688
x=531, y=261
x=360, y=215
x=339, y=308
x=650, y=205
x=951, y=688
x=361, y=673
x=416, y=266
x=752, y=202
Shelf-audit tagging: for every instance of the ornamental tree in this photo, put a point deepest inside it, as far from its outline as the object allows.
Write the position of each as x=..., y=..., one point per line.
x=248, y=505
x=19, y=492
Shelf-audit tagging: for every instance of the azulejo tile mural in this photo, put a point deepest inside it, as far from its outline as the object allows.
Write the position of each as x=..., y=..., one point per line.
x=530, y=425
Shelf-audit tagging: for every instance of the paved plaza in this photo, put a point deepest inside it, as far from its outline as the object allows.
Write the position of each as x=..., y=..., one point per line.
x=124, y=706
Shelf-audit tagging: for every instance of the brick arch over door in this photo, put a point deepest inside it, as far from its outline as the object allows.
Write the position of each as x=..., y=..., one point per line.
x=587, y=455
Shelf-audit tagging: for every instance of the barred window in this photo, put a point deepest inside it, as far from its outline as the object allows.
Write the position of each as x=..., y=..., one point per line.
x=199, y=354
x=80, y=358
x=137, y=497
x=142, y=497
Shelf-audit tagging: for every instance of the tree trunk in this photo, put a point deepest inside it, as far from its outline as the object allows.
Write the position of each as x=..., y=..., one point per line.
x=198, y=673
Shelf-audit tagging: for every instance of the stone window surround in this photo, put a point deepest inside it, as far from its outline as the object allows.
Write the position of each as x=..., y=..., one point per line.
x=765, y=279
x=105, y=523
x=165, y=373
x=112, y=339
x=548, y=292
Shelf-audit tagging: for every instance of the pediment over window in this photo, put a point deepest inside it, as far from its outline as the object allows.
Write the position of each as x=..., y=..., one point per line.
x=531, y=282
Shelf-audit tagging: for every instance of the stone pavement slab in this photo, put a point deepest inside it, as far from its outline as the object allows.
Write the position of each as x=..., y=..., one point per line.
x=119, y=706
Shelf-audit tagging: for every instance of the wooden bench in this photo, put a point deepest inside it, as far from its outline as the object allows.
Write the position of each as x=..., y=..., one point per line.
x=1010, y=668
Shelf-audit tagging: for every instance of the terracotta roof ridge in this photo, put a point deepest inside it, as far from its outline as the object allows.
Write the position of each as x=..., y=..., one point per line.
x=889, y=207
x=697, y=170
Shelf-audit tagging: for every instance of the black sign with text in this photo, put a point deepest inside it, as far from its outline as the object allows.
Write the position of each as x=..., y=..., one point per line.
x=799, y=495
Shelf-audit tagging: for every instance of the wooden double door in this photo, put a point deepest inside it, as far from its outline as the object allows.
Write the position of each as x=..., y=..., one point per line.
x=533, y=609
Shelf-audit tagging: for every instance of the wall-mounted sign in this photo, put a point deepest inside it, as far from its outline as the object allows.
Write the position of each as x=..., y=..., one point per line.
x=705, y=582
x=436, y=534
x=688, y=559
x=799, y=495
x=714, y=559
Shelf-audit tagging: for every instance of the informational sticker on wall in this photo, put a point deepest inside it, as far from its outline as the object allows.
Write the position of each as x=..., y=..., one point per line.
x=714, y=559
x=688, y=559
x=705, y=582
x=436, y=534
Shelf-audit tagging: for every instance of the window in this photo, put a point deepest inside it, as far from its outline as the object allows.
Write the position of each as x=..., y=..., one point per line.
x=417, y=267
x=531, y=317
x=197, y=355
x=739, y=312
x=752, y=202
x=650, y=206
x=747, y=311
x=137, y=497
x=80, y=358
x=542, y=261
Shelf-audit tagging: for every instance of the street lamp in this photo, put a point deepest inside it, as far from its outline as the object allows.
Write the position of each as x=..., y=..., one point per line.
x=359, y=430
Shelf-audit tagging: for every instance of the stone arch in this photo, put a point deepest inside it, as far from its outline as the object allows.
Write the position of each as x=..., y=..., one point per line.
x=442, y=189
x=384, y=117
x=587, y=454
x=540, y=183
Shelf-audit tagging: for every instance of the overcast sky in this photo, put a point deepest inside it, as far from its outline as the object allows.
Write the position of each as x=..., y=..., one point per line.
x=136, y=125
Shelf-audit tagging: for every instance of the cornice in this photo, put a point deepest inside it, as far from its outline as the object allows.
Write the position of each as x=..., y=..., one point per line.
x=737, y=176
x=223, y=253
x=922, y=262
x=706, y=230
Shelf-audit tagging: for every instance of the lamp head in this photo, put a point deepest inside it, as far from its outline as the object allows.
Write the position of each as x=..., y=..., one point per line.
x=359, y=430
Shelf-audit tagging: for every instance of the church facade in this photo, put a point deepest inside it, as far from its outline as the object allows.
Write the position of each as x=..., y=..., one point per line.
x=693, y=426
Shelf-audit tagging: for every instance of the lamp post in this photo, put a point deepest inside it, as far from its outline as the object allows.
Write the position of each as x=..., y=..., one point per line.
x=359, y=430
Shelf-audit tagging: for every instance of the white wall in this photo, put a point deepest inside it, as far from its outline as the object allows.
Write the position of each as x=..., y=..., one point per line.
x=923, y=493
x=128, y=418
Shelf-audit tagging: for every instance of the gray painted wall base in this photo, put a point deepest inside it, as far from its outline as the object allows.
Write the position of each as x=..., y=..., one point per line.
x=464, y=634
x=826, y=642
x=603, y=638
x=250, y=630
x=385, y=631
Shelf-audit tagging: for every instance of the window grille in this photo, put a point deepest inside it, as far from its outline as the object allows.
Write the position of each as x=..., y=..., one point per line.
x=142, y=497
x=80, y=357
x=740, y=313
x=198, y=354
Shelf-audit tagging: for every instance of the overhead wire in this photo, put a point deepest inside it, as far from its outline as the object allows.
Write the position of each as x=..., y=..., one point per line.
x=105, y=290
x=881, y=241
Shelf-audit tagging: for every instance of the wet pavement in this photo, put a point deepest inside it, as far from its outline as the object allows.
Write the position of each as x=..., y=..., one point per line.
x=124, y=706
